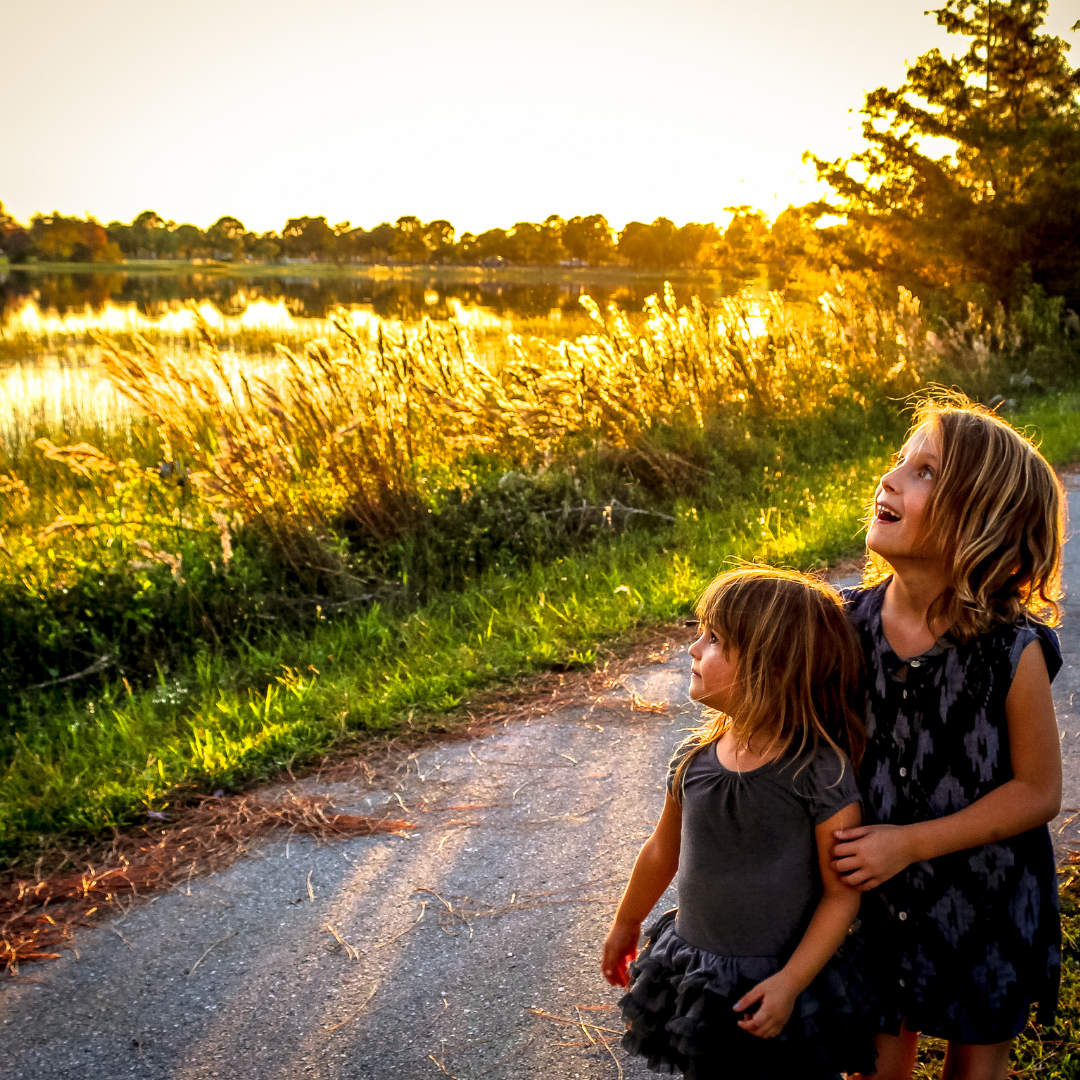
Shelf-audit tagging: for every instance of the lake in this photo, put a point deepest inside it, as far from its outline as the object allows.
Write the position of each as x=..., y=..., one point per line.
x=390, y=292
x=51, y=378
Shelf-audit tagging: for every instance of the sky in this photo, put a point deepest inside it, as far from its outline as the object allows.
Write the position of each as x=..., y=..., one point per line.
x=483, y=112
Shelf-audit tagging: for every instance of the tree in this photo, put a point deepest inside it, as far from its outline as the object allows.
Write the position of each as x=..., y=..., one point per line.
x=439, y=240
x=491, y=244
x=409, y=243
x=265, y=247
x=534, y=244
x=1001, y=207
x=56, y=238
x=14, y=239
x=661, y=244
x=372, y=246
x=590, y=239
x=740, y=252
x=305, y=237
x=227, y=236
x=191, y=242
x=643, y=245
x=148, y=235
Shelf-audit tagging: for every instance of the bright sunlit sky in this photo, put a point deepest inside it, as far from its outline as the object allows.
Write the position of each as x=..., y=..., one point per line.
x=485, y=112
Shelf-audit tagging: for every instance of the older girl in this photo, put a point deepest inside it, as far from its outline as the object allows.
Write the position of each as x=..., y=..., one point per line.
x=962, y=770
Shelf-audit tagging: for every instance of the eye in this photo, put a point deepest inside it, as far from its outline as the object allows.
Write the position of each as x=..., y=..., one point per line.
x=713, y=639
x=926, y=473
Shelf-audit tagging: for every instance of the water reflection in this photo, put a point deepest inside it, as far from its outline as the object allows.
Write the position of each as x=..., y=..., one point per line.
x=312, y=296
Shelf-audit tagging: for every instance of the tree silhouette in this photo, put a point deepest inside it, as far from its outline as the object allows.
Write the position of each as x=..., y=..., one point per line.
x=1000, y=204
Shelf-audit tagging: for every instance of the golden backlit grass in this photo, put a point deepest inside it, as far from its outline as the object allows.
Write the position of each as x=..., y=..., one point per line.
x=362, y=438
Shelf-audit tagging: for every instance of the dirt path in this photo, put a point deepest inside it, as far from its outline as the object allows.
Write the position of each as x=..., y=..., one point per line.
x=237, y=975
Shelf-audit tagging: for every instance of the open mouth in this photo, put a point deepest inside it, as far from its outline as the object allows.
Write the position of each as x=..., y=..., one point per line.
x=884, y=514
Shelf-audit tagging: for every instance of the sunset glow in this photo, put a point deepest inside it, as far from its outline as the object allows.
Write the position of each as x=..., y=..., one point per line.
x=475, y=111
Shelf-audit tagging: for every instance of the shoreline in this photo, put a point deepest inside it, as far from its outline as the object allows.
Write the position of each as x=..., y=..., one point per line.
x=539, y=275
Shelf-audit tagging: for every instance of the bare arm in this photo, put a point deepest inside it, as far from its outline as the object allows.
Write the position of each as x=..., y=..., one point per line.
x=872, y=854
x=829, y=925
x=654, y=870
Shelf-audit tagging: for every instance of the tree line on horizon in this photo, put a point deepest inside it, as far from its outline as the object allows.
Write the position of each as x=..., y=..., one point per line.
x=987, y=221
x=556, y=241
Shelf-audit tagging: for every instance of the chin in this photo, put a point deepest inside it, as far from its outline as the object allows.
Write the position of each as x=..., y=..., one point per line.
x=880, y=546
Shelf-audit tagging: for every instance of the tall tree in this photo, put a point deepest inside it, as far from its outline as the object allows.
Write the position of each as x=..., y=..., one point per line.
x=1000, y=206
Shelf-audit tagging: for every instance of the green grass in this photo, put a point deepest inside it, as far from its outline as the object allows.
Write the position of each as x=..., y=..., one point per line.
x=87, y=765
x=1052, y=421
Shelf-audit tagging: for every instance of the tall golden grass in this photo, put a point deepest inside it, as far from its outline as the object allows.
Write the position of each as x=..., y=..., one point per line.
x=367, y=428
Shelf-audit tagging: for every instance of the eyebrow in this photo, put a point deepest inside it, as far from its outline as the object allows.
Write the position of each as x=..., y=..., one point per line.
x=924, y=452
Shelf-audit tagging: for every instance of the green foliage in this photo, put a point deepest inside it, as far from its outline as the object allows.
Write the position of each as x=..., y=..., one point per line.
x=358, y=535
x=998, y=209
x=88, y=763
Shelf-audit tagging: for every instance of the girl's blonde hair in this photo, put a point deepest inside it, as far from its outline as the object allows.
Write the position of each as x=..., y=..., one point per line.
x=996, y=515
x=797, y=665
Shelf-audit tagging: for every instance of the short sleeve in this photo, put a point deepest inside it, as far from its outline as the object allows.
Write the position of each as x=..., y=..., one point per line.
x=686, y=747
x=1030, y=631
x=827, y=784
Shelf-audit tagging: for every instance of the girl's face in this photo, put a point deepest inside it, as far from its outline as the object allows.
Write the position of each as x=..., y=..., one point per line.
x=896, y=530
x=712, y=674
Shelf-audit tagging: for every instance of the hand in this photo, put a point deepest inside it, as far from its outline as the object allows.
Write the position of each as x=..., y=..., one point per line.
x=777, y=997
x=871, y=854
x=620, y=948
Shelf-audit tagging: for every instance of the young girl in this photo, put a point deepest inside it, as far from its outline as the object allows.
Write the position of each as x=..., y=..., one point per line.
x=742, y=980
x=962, y=769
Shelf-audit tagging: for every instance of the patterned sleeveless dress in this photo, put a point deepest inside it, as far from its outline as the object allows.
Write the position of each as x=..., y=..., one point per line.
x=965, y=944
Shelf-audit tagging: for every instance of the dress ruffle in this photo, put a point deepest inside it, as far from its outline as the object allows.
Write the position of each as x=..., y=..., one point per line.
x=681, y=999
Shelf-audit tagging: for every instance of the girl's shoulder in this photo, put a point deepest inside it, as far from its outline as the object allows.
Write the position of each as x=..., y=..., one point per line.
x=1026, y=630
x=997, y=650
x=861, y=601
x=688, y=746
x=825, y=779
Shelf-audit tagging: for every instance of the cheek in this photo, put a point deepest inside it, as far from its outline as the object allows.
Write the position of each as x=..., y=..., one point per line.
x=915, y=510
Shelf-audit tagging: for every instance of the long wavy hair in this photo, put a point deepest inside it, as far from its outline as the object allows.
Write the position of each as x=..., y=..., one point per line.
x=996, y=517
x=797, y=665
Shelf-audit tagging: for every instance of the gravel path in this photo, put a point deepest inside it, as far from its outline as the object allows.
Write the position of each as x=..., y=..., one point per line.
x=237, y=975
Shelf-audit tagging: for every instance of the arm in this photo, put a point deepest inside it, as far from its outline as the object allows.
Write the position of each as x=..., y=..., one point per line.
x=831, y=921
x=872, y=854
x=653, y=872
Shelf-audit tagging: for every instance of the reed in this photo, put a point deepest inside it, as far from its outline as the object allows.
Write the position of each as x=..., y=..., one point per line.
x=172, y=585
x=368, y=429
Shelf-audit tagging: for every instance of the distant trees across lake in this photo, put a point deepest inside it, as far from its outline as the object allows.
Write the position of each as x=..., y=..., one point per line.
x=556, y=241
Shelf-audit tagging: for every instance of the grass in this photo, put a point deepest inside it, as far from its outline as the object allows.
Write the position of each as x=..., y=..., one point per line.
x=434, y=484
x=89, y=765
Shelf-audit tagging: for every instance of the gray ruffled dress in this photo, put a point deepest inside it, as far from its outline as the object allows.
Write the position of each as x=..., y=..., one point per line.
x=748, y=885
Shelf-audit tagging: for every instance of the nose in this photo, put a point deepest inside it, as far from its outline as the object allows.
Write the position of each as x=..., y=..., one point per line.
x=888, y=481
